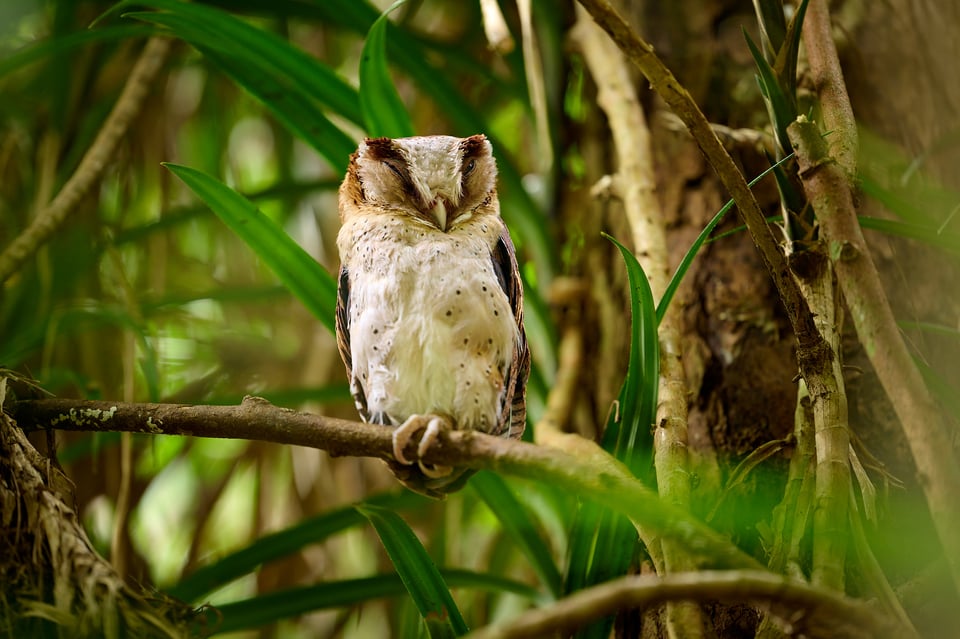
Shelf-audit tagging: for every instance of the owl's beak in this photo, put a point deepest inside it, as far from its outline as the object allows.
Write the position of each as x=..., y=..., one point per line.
x=439, y=209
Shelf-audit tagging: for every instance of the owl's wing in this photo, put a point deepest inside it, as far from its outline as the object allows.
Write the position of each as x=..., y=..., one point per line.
x=513, y=415
x=343, y=342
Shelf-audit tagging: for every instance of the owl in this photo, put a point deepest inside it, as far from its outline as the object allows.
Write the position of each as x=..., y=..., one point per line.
x=430, y=303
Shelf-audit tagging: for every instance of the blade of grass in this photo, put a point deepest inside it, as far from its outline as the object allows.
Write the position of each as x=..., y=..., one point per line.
x=773, y=26
x=416, y=569
x=786, y=62
x=638, y=396
x=780, y=106
x=945, y=241
x=383, y=111
x=297, y=113
x=295, y=269
x=181, y=215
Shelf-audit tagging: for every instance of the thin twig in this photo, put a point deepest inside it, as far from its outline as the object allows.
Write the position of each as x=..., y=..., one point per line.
x=94, y=162
x=561, y=398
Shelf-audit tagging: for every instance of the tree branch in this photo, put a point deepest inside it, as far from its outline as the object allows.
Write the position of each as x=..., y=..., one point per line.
x=826, y=180
x=802, y=609
x=813, y=353
x=589, y=471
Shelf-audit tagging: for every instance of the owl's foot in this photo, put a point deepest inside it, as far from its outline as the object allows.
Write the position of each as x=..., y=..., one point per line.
x=403, y=433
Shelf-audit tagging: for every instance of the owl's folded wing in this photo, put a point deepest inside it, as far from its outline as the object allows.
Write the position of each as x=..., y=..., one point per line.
x=343, y=343
x=514, y=412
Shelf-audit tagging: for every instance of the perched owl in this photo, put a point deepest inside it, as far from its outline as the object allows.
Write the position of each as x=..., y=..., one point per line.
x=430, y=304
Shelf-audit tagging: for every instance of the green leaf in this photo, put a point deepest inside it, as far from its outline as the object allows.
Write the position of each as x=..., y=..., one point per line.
x=294, y=103
x=929, y=327
x=384, y=113
x=420, y=576
x=785, y=65
x=220, y=31
x=291, y=108
x=638, y=395
x=46, y=48
x=276, y=606
x=520, y=526
x=181, y=215
x=295, y=269
x=772, y=24
x=781, y=107
x=603, y=542
x=949, y=242
x=700, y=241
x=281, y=544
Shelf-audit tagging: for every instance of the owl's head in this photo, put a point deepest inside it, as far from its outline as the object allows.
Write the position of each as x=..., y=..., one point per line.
x=439, y=180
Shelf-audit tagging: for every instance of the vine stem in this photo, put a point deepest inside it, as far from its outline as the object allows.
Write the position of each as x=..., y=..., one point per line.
x=94, y=161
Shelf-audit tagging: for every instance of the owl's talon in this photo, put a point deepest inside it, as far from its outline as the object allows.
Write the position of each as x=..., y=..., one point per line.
x=403, y=433
x=436, y=471
x=430, y=435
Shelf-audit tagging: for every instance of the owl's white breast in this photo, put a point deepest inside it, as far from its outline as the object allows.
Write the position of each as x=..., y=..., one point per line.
x=430, y=328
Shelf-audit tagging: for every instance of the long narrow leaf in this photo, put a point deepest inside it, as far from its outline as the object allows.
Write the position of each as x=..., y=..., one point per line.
x=293, y=107
x=45, y=48
x=782, y=108
x=300, y=116
x=602, y=542
x=295, y=269
x=946, y=241
x=281, y=544
x=276, y=606
x=773, y=26
x=786, y=62
x=695, y=247
x=420, y=576
x=243, y=42
x=384, y=113
x=520, y=526
x=638, y=400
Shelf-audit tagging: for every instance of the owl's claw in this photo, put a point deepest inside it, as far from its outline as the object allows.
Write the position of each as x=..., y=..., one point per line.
x=404, y=433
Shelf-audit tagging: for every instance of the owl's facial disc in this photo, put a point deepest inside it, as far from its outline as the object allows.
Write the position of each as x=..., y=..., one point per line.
x=433, y=178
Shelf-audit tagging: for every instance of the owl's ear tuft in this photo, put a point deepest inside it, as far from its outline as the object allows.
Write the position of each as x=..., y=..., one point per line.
x=381, y=149
x=474, y=145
